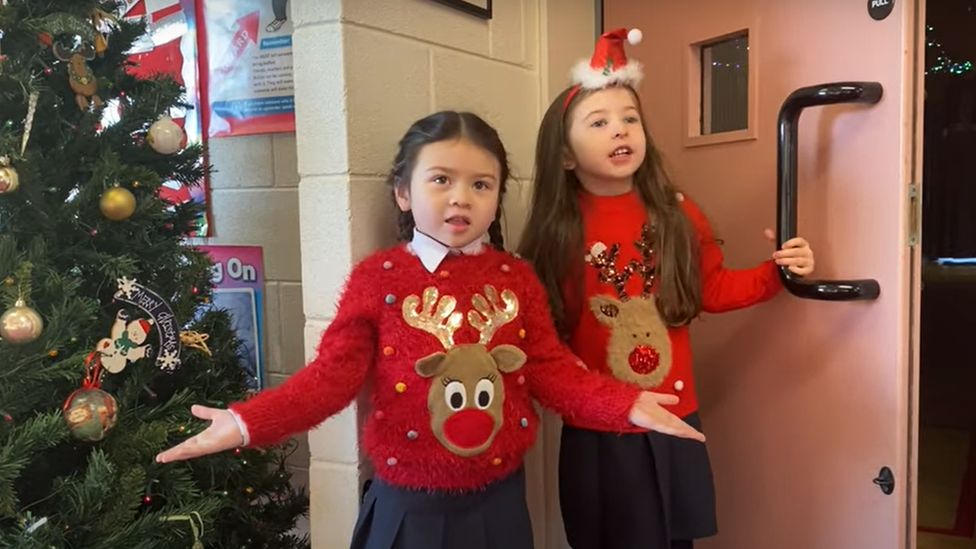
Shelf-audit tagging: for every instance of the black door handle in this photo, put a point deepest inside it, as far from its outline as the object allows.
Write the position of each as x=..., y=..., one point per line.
x=786, y=187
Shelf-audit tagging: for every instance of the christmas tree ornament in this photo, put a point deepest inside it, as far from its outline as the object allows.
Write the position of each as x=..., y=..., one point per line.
x=89, y=412
x=131, y=335
x=77, y=53
x=197, y=531
x=103, y=23
x=165, y=136
x=126, y=344
x=196, y=340
x=9, y=180
x=20, y=324
x=28, y=121
x=117, y=203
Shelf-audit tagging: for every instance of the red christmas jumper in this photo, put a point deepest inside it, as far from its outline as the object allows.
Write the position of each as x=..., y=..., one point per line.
x=609, y=220
x=427, y=420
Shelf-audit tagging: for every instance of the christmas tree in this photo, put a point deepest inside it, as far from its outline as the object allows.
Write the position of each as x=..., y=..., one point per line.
x=108, y=334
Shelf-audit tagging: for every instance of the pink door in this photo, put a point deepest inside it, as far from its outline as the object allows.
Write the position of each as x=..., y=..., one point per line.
x=807, y=403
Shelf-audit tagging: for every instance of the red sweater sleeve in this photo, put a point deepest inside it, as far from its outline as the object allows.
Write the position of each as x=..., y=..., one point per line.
x=556, y=377
x=729, y=289
x=326, y=385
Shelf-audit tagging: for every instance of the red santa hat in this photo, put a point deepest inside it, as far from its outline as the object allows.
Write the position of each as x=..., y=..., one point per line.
x=609, y=64
x=146, y=325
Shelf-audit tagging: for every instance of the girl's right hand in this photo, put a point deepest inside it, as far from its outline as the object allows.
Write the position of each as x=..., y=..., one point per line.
x=647, y=412
x=222, y=434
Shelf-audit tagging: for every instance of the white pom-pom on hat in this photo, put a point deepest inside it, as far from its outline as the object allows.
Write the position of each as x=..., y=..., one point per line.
x=634, y=36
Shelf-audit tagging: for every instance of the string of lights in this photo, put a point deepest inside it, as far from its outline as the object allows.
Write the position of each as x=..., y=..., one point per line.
x=943, y=63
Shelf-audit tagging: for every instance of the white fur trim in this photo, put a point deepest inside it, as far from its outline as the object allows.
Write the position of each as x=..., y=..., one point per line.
x=634, y=36
x=591, y=79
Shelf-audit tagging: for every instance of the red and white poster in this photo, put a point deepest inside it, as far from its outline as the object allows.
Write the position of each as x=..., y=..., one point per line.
x=170, y=47
x=246, y=67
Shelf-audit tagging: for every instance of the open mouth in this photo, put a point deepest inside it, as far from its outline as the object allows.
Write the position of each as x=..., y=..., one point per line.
x=458, y=221
x=621, y=151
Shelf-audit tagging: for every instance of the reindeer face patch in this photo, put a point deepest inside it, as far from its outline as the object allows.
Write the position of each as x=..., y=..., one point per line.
x=639, y=348
x=467, y=394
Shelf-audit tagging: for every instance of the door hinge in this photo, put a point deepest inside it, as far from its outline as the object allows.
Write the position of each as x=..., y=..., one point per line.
x=914, y=214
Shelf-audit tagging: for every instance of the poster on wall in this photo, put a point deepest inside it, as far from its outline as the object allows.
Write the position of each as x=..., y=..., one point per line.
x=246, y=64
x=170, y=47
x=239, y=289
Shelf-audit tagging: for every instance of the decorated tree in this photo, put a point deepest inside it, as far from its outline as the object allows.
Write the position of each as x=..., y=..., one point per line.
x=107, y=333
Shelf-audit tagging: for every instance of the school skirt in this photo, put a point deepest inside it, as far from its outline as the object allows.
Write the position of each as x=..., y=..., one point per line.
x=635, y=491
x=496, y=517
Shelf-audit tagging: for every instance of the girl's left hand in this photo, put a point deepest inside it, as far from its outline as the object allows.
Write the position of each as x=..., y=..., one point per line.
x=796, y=254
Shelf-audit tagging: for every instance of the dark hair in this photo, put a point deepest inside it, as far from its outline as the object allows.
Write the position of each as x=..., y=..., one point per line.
x=553, y=236
x=443, y=126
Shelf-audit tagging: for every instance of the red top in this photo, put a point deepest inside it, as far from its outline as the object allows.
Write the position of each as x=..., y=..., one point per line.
x=626, y=337
x=450, y=420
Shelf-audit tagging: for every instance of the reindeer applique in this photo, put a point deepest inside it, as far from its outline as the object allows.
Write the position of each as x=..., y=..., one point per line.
x=467, y=394
x=639, y=349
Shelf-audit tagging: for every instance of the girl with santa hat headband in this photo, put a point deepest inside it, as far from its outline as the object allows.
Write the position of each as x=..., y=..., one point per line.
x=628, y=262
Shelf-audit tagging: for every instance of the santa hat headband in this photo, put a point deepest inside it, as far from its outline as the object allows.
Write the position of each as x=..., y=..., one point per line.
x=609, y=64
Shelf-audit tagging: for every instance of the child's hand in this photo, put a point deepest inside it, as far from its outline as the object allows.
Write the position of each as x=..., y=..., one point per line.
x=222, y=434
x=796, y=254
x=648, y=413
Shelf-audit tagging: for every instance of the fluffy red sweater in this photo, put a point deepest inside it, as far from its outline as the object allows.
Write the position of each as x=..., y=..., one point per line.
x=625, y=337
x=449, y=420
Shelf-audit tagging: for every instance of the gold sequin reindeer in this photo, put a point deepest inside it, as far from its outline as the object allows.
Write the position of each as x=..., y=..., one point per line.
x=467, y=395
x=639, y=349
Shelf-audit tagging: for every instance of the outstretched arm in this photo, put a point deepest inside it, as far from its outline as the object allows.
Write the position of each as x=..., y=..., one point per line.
x=321, y=389
x=558, y=380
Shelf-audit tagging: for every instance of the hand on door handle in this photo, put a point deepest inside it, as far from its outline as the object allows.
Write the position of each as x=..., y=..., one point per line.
x=794, y=254
x=786, y=187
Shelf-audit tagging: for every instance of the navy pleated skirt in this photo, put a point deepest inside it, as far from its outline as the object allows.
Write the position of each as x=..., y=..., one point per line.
x=496, y=517
x=635, y=491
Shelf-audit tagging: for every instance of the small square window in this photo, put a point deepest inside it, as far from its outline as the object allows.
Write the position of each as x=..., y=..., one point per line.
x=725, y=85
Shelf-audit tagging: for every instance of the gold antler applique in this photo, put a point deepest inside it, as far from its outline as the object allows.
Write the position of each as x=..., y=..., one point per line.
x=492, y=313
x=441, y=323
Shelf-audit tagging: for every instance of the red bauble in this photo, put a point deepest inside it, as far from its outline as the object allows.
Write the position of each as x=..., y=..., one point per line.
x=644, y=359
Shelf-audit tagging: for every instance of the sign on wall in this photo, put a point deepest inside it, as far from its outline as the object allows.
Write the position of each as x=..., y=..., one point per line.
x=239, y=281
x=246, y=66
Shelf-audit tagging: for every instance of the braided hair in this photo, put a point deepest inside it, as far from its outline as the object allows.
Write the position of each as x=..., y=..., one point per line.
x=443, y=126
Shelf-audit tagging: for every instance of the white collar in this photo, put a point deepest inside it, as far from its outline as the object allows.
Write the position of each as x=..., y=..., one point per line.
x=431, y=252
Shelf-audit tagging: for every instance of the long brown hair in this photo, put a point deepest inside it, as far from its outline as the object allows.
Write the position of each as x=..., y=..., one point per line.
x=445, y=126
x=553, y=237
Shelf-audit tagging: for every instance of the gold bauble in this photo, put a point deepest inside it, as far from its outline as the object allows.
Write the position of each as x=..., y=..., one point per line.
x=20, y=324
x=90, y=414
x=9, y=180
x=117, y=203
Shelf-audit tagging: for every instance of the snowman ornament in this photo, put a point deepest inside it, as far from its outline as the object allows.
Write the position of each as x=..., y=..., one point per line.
x=127, y=343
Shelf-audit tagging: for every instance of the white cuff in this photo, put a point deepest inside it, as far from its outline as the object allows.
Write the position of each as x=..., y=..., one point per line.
x=245, y=438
